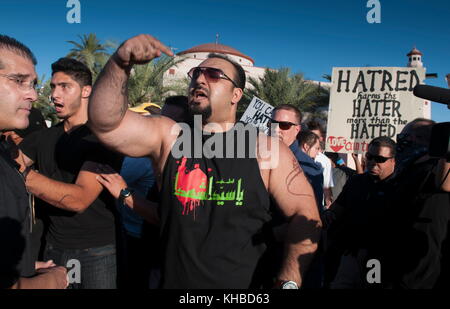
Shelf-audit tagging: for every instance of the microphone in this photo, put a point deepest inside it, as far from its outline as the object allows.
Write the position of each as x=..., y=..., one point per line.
x=431, y=93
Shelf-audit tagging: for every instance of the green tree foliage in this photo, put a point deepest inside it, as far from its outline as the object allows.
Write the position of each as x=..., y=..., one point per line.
x=43, y=102
x=146, y=82
x=281, y=87
x=91, y=52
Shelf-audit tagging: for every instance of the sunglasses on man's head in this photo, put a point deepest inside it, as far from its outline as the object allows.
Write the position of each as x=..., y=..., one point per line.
x=211, y=74
x=283, y=125
x=376, y=158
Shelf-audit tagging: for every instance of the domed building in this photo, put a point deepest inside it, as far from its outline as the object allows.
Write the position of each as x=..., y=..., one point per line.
x=197, y=54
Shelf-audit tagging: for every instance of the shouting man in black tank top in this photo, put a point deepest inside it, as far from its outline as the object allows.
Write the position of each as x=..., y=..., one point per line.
x=213, y=209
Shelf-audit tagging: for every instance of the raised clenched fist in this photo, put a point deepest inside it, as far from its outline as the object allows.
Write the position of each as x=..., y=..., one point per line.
x=140, y=49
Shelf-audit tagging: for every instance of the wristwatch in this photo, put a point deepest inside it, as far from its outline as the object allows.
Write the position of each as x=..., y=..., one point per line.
x=25, y=172
x=287, y=285
x=124, y=193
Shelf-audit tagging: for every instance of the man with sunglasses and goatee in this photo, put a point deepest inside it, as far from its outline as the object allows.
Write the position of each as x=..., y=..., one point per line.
x=213, y=209
x=354, y=220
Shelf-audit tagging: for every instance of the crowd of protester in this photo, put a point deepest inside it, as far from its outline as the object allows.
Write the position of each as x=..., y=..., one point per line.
x=103, y=188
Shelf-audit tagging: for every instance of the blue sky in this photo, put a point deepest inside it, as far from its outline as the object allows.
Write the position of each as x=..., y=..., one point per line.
x=307, y=36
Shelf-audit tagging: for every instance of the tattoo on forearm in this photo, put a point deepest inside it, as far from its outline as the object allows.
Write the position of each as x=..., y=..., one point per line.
x=290, y=179
x=58, y=204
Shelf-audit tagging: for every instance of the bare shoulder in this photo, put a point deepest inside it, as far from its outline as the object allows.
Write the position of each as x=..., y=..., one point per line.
x=167, y=129
x=170, y=131
x=271, y=152
x=268, y=151
x=288, y=184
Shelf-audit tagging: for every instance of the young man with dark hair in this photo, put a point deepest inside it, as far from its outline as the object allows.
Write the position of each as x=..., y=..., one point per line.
x=18, y=268
x=75, y=69
x=81, y=217
x=210, y=240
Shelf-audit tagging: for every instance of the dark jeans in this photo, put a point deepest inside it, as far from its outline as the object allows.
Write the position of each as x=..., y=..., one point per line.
x=98, y=266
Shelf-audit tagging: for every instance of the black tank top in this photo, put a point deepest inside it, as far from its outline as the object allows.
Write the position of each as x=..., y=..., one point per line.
x=213, y=213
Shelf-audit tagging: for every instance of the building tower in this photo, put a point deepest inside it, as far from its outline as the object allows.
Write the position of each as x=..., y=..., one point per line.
x=415, y=58
x=415, y=61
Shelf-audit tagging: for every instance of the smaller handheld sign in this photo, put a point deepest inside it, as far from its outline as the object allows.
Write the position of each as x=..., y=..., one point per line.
x=258, y=113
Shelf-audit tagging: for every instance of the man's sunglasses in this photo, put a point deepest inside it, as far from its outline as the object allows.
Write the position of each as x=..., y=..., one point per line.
x=376, y=158
x=211, y=74
x=283, y=125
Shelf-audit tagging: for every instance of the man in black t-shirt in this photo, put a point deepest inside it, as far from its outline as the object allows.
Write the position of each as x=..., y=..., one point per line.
x=353, y=221
x=18, y=269
x=81, y=228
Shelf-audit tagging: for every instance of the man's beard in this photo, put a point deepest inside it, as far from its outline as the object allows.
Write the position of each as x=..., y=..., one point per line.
x=205, y=112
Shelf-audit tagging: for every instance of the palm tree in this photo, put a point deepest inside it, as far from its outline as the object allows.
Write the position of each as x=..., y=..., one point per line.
x=91, y=52
x=146, y=82
x=43, y=101
x=327, y=77
x=281, y=87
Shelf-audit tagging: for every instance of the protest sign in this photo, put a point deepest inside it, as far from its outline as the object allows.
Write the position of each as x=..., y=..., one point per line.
x=258, y=113
x=366, y=103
